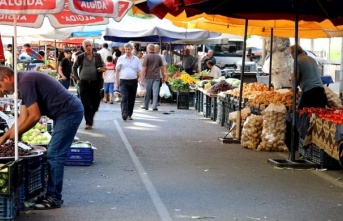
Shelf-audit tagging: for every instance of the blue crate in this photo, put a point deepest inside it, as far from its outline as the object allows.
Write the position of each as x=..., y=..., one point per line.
x=80, y=153
x=80, y=150
x=78, y=163
x=8, y=207
x=80, y=156
x=21, y=198
x=36, y=174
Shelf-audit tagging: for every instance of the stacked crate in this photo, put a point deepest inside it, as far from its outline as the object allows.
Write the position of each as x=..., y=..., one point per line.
x=80, y=154
x=35, y=177
x=10, y=178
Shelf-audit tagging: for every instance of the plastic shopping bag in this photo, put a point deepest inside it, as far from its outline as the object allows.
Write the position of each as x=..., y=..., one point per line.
x=164, y=91
x=141, y=91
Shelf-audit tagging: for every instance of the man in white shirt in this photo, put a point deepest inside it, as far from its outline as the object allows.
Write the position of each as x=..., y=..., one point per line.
x=104, y=52
x=128, y=68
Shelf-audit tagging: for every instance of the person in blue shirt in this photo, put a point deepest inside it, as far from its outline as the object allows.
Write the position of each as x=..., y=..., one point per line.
x=42, y=95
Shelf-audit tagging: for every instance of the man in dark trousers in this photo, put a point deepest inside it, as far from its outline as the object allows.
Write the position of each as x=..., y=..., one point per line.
x=128, y=69
x=89, y=79
x=42, y=95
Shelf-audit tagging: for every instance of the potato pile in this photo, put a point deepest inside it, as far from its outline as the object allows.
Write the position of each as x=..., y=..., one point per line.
x=252, y=130
x=333, y=98
x=250, y=89
x=234, y=117
x=268, y=97
x=274, y=128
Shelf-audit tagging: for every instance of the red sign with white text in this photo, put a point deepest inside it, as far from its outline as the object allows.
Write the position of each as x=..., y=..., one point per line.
x=67, y=18
x=33, y=21
x=15, y=7
x=104, y=8
x=123, y=7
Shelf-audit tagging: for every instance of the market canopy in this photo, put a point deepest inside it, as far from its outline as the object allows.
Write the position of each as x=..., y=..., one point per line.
x=152, y=30
x=323, y=29
x=309, y=10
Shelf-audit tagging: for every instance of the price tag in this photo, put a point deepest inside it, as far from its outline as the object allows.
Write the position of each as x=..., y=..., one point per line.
x=24, y=146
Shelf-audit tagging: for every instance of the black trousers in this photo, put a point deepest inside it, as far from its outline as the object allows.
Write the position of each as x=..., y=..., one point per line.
x=315, y=97
x=128, y=90
x=90, y=98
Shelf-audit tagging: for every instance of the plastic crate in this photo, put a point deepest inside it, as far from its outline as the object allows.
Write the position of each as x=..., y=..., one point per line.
x=182, y=100
x=21, y=198
x=323, y=159
x=8, y=207
x=11, y=176
x=80, y=156
x=214, y=108
x=192, y=97
x=219, y=111
x=78, y=163
x=36, y=174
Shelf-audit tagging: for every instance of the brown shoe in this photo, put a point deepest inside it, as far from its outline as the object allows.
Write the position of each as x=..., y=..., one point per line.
x=88, y=127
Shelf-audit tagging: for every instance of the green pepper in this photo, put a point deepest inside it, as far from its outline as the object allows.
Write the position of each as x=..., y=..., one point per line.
x=3, y=182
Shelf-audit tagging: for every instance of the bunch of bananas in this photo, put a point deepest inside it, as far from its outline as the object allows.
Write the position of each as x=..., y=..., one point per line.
x=187, y=78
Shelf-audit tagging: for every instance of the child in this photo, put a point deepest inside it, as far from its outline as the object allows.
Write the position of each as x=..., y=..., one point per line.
x=109, y=77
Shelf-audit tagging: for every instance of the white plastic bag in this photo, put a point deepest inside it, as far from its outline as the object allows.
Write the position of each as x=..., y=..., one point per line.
x=164, y=91
x=141, y=91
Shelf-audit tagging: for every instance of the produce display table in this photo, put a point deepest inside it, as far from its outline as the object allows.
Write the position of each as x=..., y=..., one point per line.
x=199, y=100
x=221, y=109
x=325, y=135
x=209, y=104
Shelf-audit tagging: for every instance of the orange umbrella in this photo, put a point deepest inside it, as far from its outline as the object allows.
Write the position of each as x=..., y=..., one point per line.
x=323, y=29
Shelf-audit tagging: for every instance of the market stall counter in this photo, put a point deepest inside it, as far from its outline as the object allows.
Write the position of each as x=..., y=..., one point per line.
x=323, y=144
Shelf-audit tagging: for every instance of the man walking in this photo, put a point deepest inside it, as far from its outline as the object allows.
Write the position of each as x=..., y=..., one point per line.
x=43, y=95
x=151, y=74
x=128, y=69
x=89, y=80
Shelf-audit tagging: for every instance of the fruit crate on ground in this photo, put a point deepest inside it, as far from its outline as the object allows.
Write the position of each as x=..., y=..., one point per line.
x=80, y=154
x=36, y=174
x=11, y=175
x=8, y=207
x=183, y=100
x=324, y=160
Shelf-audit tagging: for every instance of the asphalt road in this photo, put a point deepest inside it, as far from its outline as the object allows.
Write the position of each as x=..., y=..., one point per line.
x=167, y=165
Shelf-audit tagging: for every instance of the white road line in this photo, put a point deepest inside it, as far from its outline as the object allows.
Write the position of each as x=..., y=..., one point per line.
x=160, y=207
